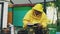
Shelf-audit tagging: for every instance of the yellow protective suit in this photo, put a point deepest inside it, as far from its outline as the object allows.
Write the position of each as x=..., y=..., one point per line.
x=30, y=18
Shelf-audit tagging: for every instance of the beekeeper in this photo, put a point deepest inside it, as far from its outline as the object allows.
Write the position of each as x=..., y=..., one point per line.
x=35, y=15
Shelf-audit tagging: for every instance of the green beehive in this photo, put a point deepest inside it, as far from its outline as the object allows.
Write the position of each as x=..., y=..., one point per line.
x=52, y=30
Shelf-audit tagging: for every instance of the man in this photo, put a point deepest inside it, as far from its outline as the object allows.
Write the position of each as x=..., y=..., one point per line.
x=34, y=16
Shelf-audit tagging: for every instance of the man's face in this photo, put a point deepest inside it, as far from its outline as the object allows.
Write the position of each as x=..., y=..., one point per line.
x=37, y=12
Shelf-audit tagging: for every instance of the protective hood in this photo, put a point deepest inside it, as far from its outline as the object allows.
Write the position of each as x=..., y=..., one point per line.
x=38, y=7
